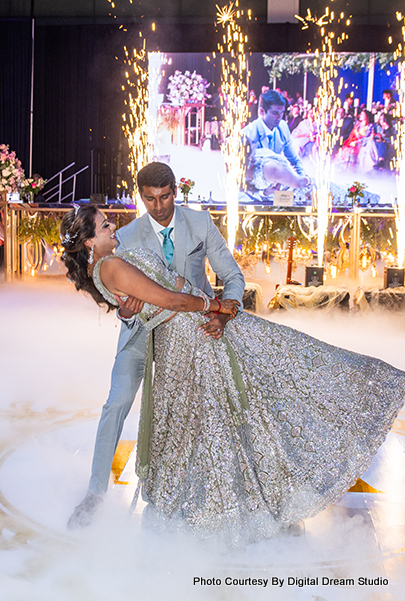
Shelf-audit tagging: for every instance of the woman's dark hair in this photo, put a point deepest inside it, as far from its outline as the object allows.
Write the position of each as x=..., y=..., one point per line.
x=76, y=227
x=388, y=118
x=368, y=114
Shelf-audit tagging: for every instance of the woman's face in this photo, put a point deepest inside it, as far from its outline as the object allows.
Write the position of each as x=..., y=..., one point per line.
x=363, y=118
x=104, y=238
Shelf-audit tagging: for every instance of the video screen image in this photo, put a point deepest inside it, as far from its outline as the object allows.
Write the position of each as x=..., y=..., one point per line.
x=280, y=133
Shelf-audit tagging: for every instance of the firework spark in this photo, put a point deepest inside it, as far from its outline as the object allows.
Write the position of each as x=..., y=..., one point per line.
x=330, y=26
x=310, y=20
x=225, y=14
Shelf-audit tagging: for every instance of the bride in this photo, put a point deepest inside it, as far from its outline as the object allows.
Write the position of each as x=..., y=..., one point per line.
x=246, y=435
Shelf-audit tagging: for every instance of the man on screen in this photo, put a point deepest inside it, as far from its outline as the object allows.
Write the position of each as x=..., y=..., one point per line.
x=273, y=160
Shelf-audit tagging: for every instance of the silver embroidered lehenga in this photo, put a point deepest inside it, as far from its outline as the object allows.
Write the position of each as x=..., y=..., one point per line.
x=243, y=436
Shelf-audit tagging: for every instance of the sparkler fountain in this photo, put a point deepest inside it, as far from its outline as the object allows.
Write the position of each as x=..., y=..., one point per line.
x=136, y=118
x=326, y=127
x=399, y=207
x=234, y=108
x=331, y=27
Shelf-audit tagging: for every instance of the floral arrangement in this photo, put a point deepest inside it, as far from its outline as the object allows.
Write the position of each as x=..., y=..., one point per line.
x=32, y=185
x=355, y=191
x=12, y=176
x=187, y=87
x=185, y=185
x=11, y=172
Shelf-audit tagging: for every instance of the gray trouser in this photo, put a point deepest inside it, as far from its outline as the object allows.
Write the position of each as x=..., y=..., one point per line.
x=126, y=378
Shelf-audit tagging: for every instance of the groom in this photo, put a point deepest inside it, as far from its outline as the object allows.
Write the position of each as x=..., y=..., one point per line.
x=183, y=238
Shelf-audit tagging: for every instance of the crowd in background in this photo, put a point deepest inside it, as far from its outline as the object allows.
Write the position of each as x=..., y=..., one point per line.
x=366, y=138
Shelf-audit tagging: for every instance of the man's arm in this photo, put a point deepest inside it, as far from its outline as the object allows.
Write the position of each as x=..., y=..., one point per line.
x=223, y=264
x=226, y=268
x=289, y=150
x=251, y=137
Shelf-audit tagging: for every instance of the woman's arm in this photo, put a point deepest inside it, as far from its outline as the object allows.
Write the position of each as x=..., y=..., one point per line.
x=124, y=279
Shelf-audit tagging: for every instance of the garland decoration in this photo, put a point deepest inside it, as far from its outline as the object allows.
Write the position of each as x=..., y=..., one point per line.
x=291, y=64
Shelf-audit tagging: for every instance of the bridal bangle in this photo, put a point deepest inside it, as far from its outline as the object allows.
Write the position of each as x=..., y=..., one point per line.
x=207, y=304
x=207, y=301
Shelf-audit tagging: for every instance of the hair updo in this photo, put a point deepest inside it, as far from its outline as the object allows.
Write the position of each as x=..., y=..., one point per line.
x=76, y=227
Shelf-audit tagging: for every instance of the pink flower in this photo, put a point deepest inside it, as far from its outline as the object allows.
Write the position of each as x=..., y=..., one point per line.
x=353, y=189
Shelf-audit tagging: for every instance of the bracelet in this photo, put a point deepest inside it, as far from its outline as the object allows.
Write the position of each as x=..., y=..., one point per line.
x=207, y=303
x=219, y=310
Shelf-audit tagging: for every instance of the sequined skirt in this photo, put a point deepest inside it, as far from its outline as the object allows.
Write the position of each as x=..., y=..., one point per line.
x=316, y=416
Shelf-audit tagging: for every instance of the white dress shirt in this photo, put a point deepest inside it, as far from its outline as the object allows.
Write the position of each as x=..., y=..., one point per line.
x=158, y=227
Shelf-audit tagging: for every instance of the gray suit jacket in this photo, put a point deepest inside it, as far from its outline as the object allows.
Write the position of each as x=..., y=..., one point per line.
x=196, y=238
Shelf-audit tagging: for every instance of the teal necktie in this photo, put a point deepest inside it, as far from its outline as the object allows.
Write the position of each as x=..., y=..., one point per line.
x=270, y=138
x=168, y=246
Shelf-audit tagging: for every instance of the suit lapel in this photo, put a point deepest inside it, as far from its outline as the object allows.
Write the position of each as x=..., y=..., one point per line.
x=180, y=247
x=150, y=239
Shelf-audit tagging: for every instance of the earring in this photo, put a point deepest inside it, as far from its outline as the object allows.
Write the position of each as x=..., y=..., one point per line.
x=90, y=260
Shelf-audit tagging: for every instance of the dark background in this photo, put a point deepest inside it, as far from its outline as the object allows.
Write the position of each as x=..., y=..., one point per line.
x=79, y=69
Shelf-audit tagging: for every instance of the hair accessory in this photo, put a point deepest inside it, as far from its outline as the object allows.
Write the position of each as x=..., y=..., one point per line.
x=90, y=260
x=76, y=207
x=68, y=238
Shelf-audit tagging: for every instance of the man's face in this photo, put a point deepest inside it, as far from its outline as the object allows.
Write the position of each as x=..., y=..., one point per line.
x=159, y=203
x=273, y=116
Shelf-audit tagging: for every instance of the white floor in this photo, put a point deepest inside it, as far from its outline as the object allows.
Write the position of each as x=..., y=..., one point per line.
x=56, y=353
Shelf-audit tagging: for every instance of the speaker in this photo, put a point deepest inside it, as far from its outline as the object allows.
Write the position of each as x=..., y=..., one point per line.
x=393, y=277
x=314, y=276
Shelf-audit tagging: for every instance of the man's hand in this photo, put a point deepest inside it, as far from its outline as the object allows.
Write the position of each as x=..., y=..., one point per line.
x=215, y=326
x=130, y=307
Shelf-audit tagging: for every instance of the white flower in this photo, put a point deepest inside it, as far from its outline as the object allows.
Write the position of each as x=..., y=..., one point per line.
x=187, y=86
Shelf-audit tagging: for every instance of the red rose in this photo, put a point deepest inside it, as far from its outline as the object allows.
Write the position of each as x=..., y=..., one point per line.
x=352, y=189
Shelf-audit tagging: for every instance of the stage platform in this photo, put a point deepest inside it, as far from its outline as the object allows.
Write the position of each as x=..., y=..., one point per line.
x=56, y=355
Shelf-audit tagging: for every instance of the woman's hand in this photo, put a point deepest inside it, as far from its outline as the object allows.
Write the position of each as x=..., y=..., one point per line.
x=229, y=307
